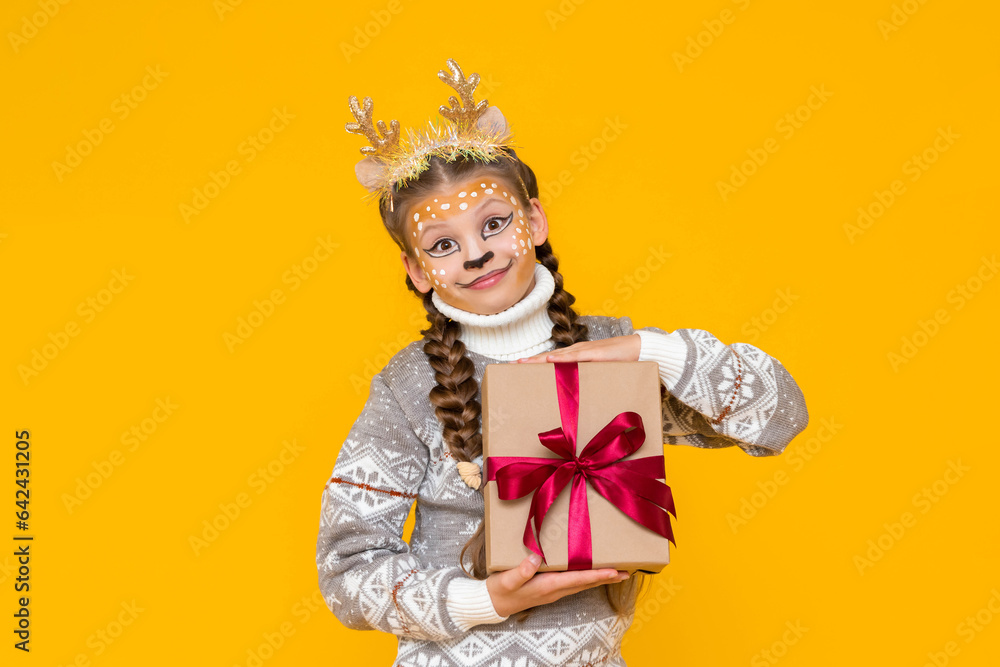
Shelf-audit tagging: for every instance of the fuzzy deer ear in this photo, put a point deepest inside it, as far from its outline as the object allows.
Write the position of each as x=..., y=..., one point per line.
x=493, y=122
x=370, y=172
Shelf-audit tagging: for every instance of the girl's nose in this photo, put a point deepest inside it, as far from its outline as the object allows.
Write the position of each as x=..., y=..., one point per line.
x=480, y=262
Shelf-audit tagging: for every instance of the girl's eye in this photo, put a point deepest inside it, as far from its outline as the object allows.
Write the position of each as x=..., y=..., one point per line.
x=445, y=246
x=500, y=221
x=494, y=225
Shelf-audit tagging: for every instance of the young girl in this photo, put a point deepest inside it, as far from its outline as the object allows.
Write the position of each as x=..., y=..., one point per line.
x=464, y=211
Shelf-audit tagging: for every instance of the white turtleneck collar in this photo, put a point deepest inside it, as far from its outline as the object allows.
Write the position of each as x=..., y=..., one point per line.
x=520, y=331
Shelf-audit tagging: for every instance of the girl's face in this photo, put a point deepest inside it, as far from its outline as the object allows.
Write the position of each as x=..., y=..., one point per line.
x=474, y=244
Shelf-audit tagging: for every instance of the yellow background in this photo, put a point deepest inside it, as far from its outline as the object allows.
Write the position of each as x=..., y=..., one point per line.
x=834, y=306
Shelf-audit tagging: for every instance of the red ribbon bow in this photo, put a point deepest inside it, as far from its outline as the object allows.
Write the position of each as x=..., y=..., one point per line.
x=632, y=486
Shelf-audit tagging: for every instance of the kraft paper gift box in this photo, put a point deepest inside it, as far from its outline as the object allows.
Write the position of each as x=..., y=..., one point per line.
x=615, y=403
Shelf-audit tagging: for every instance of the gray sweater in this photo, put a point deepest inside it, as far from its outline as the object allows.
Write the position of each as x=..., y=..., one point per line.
x=394, y=456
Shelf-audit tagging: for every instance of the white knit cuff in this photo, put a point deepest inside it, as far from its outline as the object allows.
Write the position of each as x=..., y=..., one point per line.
x=669, y=351
x=470, y=604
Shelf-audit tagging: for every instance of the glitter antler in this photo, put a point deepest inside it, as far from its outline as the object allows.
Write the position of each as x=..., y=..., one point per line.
x=465, y=114
x=379, y=145
x=477, y=131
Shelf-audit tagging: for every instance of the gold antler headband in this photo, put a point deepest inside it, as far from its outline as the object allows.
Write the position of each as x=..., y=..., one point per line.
x=477, y=130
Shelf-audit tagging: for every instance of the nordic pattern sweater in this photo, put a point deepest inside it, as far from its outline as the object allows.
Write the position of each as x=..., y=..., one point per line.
x=716, y=395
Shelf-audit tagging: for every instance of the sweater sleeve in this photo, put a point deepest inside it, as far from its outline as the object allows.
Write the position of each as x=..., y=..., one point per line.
x=470, y=604
x=367, y=574
x=718, y=395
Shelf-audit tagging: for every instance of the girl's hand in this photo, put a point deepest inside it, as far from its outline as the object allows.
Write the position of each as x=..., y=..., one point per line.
x=521, y=588
x=618, y=348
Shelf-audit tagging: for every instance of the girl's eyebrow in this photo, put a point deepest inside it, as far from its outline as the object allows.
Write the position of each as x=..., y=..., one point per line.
x=428, y=228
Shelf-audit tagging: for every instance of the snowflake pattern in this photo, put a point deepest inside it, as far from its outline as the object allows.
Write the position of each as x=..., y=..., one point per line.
x=727, y=387
x=693, y=407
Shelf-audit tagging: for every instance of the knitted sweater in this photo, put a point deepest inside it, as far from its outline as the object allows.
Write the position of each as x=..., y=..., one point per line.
x=716, y=395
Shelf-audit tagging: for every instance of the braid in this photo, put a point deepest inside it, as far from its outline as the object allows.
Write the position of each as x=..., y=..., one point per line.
x=565, y=329
x=455, y=404
x=454, y=397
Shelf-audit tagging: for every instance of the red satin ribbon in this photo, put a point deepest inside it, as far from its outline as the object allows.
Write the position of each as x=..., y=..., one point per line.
x=632, y=486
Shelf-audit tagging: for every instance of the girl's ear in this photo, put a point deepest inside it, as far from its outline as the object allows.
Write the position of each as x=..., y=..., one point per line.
x=420, y=281
x=538, y=221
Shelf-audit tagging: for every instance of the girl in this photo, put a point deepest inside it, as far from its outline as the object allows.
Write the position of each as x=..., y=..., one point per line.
x=474, y=241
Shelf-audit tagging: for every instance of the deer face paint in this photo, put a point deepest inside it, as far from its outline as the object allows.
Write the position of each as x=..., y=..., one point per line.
x=473, y=245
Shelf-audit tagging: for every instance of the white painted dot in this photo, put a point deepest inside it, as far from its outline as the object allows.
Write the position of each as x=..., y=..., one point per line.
x=423, y=263
x=445, y=207
x=493, y=185
x=520, y=213
x=462, y=194
x=520, y=231
x=522, y=243
x=482, y=185
x=442, y=272
x=504, y=194
x=433, y=215
x=445, y=285
x=435, y=201
x=473, y=194
x=514, y=236
x=434, y=272
x=513, y=201
x=464, y=205
x=414, y=233
x=436, y=282
x=515, y=253
x=420, y=226
x=513, y=246
x=428, y=208
x=416, y=216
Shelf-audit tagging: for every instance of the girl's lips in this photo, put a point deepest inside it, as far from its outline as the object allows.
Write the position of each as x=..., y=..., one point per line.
x=490, y=279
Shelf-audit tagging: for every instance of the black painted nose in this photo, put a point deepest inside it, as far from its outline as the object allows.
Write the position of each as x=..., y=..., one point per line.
x=479, y=263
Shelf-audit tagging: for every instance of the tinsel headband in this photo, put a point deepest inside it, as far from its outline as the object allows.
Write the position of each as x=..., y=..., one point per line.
x=476, y=130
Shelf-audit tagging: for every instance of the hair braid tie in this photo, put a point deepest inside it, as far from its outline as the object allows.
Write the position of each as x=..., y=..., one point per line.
x=470, y=474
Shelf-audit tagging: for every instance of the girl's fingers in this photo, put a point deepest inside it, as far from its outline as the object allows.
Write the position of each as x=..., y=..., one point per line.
x=524, y=587
x=614, y=579
x=563, y=591
x=618, y=348
x=574, y=591
x=561, y=581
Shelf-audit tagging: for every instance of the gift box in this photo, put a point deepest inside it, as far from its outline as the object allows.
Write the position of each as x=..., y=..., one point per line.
x=573, y=466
